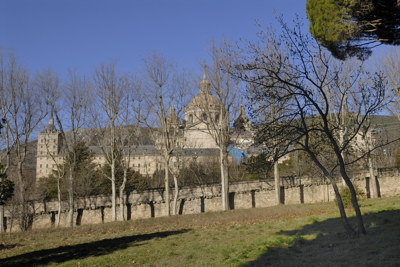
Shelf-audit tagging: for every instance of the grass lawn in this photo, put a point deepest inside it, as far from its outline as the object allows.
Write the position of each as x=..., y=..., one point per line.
x=287, y=235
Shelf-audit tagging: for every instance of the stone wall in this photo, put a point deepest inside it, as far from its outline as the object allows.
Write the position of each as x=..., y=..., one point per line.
x=243, y=195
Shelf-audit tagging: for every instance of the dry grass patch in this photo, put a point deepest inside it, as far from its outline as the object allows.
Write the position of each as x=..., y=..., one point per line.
x=286, y=235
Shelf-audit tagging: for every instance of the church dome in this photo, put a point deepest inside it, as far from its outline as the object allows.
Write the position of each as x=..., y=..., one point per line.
x=202, y=114
x=204, y=100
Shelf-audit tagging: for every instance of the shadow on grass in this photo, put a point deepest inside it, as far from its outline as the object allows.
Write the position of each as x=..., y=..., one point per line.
x=79, y=251
x=329, y=245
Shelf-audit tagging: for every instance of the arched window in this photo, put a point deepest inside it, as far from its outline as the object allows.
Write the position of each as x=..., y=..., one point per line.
x=204, y=117
x=191, y=118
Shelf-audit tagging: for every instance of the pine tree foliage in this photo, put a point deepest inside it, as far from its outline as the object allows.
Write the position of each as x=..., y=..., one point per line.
x=350, y=28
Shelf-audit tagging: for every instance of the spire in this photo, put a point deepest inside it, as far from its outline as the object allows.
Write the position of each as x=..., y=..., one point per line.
x=172, y=109
x=242, y=122
x=205, y=84
x=172, y=117
x=50, y=126
x=51, y=119
x=242, y=111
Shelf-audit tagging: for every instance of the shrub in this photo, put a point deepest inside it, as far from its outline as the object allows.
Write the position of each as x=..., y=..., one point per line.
x=346, y=195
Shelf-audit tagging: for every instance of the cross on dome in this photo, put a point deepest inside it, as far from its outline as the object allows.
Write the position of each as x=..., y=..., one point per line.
x=205, y=84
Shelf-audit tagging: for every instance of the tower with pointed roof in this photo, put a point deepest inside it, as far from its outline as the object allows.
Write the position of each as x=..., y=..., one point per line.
x=242, y=122
x=172, y=118
x=242, y=135
x=48, y=149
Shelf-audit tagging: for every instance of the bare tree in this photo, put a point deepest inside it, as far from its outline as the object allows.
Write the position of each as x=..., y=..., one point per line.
x=298, y=76
x=158, y=71
x=110, y=86
x=48, y=82
x=23, y=109
x=181, y=84
x=69, y=108
x=5, y=137
x=218, y=122
x=165, y=91
x=389, y=65
x=132, y=115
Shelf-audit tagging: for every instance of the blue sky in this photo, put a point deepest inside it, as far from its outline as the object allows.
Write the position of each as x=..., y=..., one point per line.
x=62, y=34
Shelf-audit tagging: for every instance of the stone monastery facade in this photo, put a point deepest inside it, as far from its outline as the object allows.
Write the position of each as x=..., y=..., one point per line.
x=196, y=139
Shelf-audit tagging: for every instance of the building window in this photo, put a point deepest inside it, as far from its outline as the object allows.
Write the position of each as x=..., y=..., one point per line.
x=138, y=165
x=191, y=118
x=204, y=116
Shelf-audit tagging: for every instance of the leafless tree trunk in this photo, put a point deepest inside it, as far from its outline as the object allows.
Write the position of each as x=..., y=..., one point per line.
x=69, y=110
x=122, y=201
x=158, y=71
x=5, y=142
x=110, y=85
x=277, y=183
x=160, y=94
x=277, y=179
x=366, y=147
x=224, y=178
x=226, y=90
x=176, y=194
x=389, y=66
x=132, y=114
x=25, y=110
x=372, y=177
x=48, y=82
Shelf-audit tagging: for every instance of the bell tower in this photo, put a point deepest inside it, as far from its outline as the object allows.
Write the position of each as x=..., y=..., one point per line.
x=48, y=149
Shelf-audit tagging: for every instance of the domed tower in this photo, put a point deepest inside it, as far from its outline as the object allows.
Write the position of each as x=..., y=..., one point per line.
x=203, y=110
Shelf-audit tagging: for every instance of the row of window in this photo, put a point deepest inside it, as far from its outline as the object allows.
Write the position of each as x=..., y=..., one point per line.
x=145, y=165
x=54, y=147
x=47, y=165
x=42, y=140
x=204, y=117
x=132, y=158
